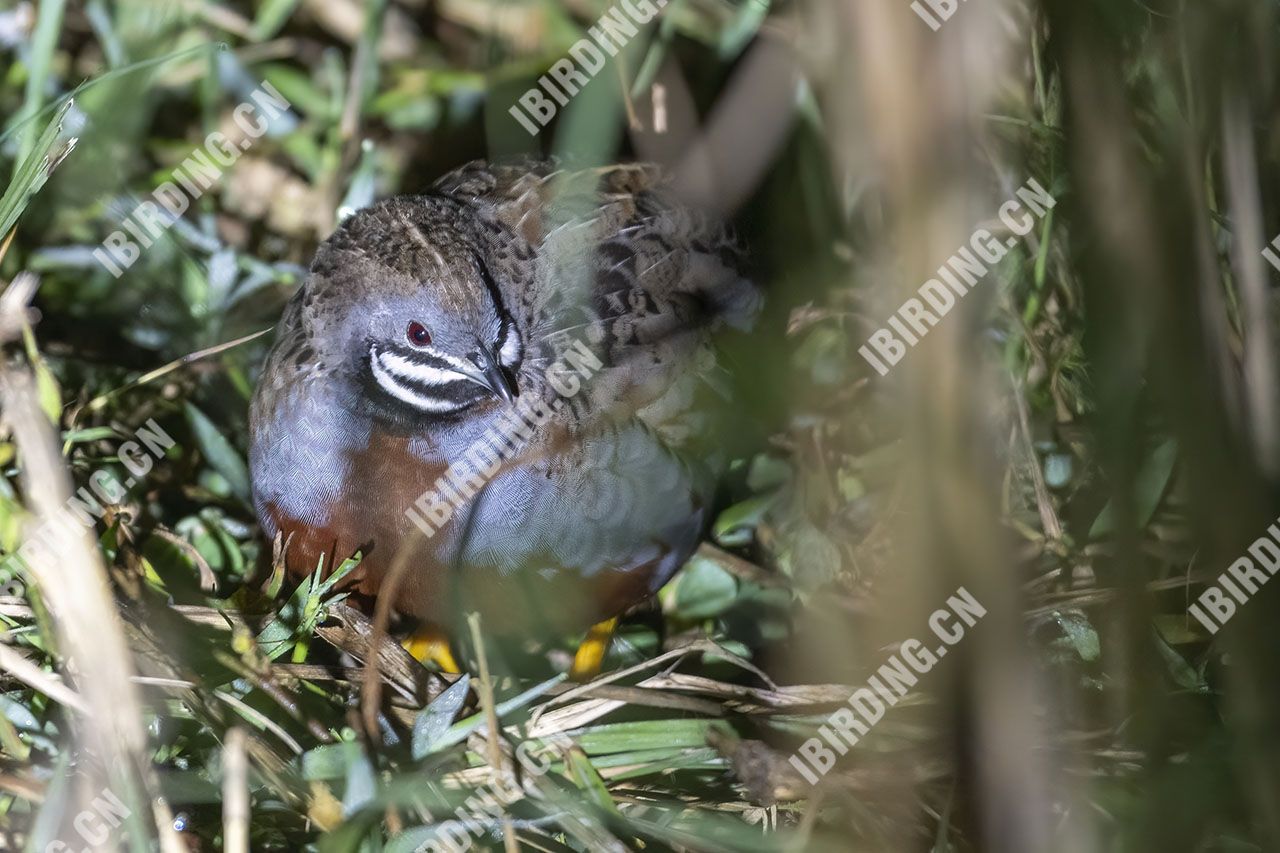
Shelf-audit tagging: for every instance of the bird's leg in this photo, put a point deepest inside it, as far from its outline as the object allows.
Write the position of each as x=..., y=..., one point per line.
x=429, y=643
x=587, y=660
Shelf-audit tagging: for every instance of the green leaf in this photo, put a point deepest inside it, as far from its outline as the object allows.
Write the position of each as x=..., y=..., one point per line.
x=433, y=721
x=460, y=730
x=299, y=90
x=328, y=761
x=584, y=775
x=825, y=355
x=744, y=26
x=47, y=390
x=736, y=525
x=9, y=739
x=767, y=472
x=704, y=590
x=643, y=734
x=808, y=555
x=44, y=41
x=345, y=568
x=44, y=829
x=421, y=838
x=302, y=609
x=271, y=16
x=1148, y=488
x=361, y=189
x=1182, y=673
x=34, y=170
x=81, y=436
x=1080, y=634
x=219, y=453
x=362, y=783
x=649, y=764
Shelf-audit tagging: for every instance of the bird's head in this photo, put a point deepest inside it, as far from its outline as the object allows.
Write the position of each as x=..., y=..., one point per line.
x=402, y=302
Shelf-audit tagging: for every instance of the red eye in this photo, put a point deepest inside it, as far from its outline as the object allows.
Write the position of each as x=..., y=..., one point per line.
x=418, y=334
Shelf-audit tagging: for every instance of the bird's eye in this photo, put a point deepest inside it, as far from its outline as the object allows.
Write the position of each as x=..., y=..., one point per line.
x=418, y=334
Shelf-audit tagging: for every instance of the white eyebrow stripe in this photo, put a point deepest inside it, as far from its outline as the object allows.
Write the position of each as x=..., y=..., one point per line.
x=425, y=374
x=387, y=381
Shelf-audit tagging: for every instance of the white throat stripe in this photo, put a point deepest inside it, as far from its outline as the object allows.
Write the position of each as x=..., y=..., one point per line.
x=393, y=385
x=423, y=374
x=511, y=349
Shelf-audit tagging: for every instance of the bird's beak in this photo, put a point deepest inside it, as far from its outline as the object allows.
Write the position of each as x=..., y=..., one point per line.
x=493, y=376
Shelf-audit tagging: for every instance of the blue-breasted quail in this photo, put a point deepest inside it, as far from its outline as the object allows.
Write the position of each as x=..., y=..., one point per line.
x=432, y=325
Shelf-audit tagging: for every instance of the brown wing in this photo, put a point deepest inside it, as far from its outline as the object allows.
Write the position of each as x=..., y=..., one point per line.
x=619, y=265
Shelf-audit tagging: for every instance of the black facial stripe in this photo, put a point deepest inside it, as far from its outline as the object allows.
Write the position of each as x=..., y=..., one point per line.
x=456, y=394
x=460, y=393
x=426, y=359
x=460, y=389
x=495, y=294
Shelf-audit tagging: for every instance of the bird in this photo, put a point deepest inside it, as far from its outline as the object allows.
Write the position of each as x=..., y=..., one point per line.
x=505, y=394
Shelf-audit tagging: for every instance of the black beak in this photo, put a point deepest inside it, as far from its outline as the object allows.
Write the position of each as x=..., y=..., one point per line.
x=495, y=376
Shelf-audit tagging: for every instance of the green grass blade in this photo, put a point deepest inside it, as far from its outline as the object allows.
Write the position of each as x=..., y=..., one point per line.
x=34, y=169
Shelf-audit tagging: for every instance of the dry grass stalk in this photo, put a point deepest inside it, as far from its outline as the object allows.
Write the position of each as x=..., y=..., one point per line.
x=74, y=584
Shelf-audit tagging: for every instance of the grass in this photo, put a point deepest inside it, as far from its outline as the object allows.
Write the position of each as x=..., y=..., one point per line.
x=1082, y=443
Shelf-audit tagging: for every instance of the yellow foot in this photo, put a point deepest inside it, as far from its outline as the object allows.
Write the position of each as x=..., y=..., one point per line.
x=429, y=643
x=587, y=660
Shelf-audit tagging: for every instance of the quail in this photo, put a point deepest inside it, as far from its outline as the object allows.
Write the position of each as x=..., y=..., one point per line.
x=508, y=384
